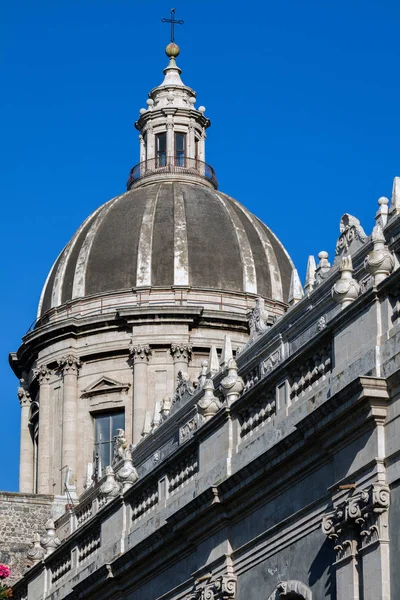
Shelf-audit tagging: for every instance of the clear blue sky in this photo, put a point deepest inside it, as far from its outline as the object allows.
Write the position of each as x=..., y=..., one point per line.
x=304, y=102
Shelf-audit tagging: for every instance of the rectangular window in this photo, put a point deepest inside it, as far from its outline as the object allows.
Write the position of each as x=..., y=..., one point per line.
x=106, y=425
x=180, y=147
x=161, y=141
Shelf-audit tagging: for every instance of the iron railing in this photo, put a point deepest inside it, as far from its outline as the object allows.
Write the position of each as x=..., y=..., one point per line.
x=179, y=165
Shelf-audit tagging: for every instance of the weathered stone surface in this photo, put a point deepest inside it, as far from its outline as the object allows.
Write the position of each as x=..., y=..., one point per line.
x=21, y=516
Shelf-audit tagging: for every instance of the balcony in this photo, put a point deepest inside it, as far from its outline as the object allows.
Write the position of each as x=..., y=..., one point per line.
x=179, y=166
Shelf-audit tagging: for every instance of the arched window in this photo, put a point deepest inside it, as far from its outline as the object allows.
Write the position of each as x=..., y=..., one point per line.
x=291, y=590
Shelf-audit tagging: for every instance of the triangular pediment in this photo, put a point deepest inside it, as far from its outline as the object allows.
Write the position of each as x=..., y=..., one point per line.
x=105, y=385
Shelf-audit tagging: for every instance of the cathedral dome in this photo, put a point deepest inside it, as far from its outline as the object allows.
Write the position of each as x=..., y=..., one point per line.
x=170, y=233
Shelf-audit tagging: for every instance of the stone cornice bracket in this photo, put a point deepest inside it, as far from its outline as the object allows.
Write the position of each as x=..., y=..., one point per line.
x=380, y=262
x=42, y=374
x=24, y=397
x=346, y=289
x=221, y=588
x=362, y=514
x=181, y=352
x=139, y=352
x=69, y=364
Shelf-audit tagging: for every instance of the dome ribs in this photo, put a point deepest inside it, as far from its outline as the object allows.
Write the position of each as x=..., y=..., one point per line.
x=112, y=261
x=145, y=246
x=162, y=262
x=181, y=257
x=165, y=234
x=214, y=256
x=246, y=253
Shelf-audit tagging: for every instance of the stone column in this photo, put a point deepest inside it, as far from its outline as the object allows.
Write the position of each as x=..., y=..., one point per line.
x=43, y=477
x=181, y=355
x=142, y=149
x=140, y=354
x=150, y=141
x=69, y=366
x=191, y=142
x=170, y=138
x=26, y=445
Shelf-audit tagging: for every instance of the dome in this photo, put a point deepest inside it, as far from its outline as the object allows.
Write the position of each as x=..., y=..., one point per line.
x=166, y=234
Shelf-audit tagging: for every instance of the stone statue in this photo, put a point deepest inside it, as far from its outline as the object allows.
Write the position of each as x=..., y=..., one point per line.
x=120, y=446
x=257, y=319
x=184, y=387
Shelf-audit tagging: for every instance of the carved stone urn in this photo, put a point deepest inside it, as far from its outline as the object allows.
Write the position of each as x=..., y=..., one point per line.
x=50, y=541
x=110, y=488
x=232, y=384
x=127, y=475
x=380, y=262
x=346, y=289
x=209, y=404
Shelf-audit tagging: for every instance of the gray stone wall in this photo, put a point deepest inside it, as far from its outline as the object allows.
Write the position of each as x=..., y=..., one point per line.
x=21, y=515
x=308, y=560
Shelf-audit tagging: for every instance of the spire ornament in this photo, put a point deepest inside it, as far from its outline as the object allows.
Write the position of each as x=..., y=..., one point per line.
x=380, y=262
x=346, y=289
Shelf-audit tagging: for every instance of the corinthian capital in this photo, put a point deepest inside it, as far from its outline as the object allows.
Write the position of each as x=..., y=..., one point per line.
x=24, y=397
x=181, y=352
x=42, y=374
x=139, y=352
x=69, y=364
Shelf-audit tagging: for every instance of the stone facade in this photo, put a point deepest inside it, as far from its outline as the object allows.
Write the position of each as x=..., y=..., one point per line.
x=260, y=453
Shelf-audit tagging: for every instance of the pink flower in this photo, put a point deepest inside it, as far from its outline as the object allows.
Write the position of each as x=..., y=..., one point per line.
x=4, y=571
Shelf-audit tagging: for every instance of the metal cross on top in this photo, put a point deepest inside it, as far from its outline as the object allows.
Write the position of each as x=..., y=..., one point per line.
x=173, y=23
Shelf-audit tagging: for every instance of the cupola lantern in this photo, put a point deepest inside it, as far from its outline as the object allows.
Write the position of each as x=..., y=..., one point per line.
x=172, y=131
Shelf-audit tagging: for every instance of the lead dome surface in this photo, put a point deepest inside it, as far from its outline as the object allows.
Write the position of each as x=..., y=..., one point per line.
x=167, y=234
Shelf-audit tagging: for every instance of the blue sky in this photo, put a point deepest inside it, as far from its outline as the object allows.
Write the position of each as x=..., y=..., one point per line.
x=304, y=103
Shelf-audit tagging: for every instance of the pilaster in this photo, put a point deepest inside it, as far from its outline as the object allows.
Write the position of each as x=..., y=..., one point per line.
x=140, y=354
x=43, y=375
x=69, y=366
x=26, y=458
x=181, y=355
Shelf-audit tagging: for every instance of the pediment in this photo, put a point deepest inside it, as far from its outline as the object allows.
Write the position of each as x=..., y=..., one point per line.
x=105, y=385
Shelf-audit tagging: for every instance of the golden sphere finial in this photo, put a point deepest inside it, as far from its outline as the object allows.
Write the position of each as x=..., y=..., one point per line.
x=172, y=50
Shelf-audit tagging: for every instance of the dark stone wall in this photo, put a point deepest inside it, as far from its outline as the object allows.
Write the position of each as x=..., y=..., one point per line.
x=21, y=515
x=307, y=560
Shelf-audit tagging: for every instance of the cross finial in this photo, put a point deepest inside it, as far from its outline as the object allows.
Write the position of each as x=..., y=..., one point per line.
x=173, y=22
